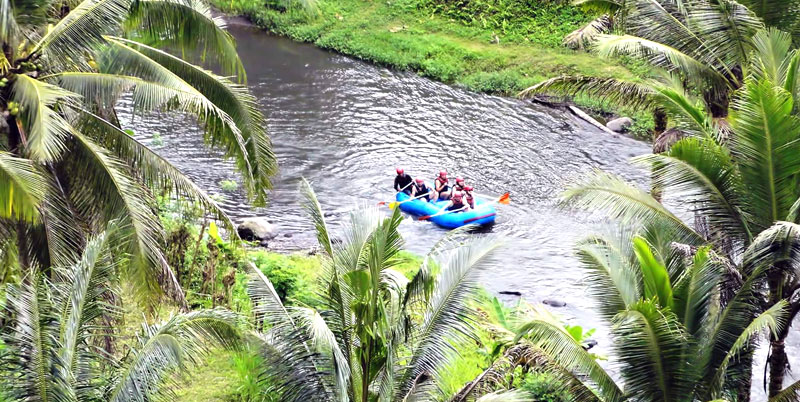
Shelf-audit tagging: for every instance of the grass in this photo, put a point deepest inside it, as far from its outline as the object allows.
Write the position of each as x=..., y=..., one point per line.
x=215, y=381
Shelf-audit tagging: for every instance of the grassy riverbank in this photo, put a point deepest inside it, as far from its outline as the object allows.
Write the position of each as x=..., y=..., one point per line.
x=449, y=42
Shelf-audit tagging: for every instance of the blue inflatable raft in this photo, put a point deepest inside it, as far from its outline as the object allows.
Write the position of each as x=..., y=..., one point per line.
x=483, y=214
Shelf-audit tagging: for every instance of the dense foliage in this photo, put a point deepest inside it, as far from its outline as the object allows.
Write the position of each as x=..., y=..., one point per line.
x=66, y=166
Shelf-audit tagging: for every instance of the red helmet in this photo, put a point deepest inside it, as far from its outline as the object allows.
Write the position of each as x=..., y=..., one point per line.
x=400, y=170
x=457, y=196
x=459, y=179
x=420, y=180
x=443, y=173
x=467, y=188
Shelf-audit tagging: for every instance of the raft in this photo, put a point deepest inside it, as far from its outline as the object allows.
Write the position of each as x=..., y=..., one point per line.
x=483, y=214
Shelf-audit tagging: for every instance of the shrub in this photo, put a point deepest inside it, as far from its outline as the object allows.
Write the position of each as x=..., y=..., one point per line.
x=543, y=387
x=229, y=185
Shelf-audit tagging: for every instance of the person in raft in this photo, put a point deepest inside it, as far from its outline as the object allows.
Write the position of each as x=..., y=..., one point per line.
x=402, y=182
x=419, y=188
x=442, y=187
x=468, y=197
x=456, y=203
x=458, y=187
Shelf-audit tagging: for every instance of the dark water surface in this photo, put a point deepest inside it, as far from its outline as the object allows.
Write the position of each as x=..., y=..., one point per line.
x=345, y=125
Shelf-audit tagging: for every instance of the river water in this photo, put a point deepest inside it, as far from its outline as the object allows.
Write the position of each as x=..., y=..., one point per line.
x=345, y=125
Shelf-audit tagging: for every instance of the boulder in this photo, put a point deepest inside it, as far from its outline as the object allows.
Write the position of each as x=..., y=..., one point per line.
x=554, y=303
x=620, y=125
x=257, y=228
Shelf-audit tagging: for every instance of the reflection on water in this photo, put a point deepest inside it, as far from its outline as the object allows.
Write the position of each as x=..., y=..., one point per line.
x=345, y=126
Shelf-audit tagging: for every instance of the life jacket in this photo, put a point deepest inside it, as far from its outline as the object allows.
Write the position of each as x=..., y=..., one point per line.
x=458, y=187
x=444, y=182
x=470, y=199
x=456, y=205
x=420, y=189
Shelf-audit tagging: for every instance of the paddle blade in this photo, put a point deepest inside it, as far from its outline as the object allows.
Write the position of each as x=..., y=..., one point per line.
x=504, y=199
x=393, y=205
x=425, y=218
x=382, y=203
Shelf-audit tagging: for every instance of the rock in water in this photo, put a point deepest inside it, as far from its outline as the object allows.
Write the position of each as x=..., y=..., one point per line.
x=256, y=228
x=554, y=303
x=620, y=125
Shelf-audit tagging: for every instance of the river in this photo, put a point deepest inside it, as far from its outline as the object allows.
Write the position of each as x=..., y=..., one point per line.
x=345, y=125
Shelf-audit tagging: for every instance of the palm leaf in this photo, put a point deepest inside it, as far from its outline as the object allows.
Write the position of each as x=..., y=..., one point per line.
x=188, y=26
x=624, y=93
x=47, y=131
x=621, y=201
x=548, y=334
x=649, y=343
x=255, y=157
x=447, y=315
x=766, y=150
x=82, y=30
x=703, y=173
x=587, y=34
x=658, y=54
x=611, y=276
x=162, y=349
x=24, y=188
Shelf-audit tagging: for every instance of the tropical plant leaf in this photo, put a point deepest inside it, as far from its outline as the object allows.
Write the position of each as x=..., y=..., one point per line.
x=47, y=131
x=24, y=189
x=654, y=274
x=766, y=150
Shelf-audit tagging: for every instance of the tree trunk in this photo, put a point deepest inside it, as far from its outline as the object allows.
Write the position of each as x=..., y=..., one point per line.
x=778, y=361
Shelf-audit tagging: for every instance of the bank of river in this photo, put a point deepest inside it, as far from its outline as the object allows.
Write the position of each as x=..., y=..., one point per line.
x=407, y=35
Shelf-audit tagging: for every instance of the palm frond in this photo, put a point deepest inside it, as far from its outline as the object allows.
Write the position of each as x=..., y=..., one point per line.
x=324, y=342
x=650, y=343
x=187, y=26
x=114, y=194
x=773, y=319
x=32, y=340
x=8, y=23
x=611, y=277
x=47, y=131
x=788, y=394
x=81, y=303
x=611, y=90
x=547, y=333
x=24, y=188
x=155, y=171
x=296, y=373
x=177, y=344
x=703, y=173
x=625, y=203
x=78, y=34
x=771, y=47
x=658, y=54
x=447, y=315
x=314, y=210
x=505, y=396
x=584, y=36
x=693, y=291
x=766, y=150
x=726, y=27
x=246, y=139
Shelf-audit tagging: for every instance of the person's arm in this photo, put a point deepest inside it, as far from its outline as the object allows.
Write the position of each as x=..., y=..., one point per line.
x=413, y=190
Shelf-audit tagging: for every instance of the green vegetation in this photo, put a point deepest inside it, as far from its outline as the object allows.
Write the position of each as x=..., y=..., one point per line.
x=229, y=185
x=68, y=169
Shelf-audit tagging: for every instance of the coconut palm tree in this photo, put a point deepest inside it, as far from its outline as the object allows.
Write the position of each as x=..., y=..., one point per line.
x=53, y=330
x=701, y=46
x=679, y=330
x=66, y=166
x=739, y=181
x=376, y=335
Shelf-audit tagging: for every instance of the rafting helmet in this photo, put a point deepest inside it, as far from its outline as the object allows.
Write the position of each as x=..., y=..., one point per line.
x=400, y=171
x=459, y=179
x=467, y=188
x=420, y=180
x=457, y=196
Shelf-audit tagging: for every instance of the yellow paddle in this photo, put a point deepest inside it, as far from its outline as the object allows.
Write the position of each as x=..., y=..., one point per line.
x=406, y=186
